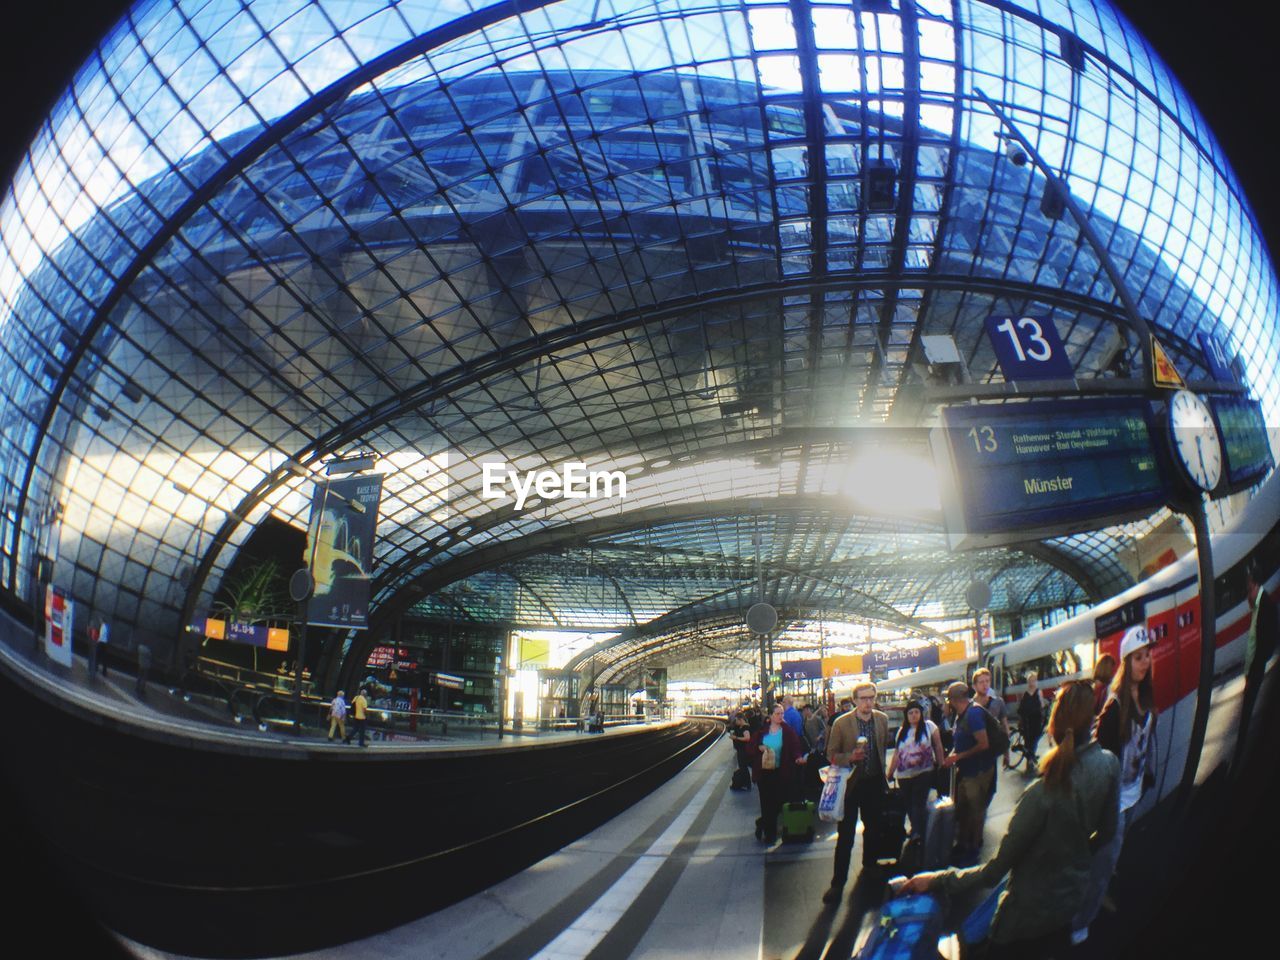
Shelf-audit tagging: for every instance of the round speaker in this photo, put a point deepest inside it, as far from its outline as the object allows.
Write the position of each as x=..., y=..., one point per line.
x=761, y=618
x=978, y=594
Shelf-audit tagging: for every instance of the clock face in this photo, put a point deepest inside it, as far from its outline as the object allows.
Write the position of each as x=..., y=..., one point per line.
x=1195, y=439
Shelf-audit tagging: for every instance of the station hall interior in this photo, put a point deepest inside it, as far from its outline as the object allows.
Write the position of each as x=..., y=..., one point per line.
x=563, y=377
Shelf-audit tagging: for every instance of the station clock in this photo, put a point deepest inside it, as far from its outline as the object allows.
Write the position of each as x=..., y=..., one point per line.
x=1196, y=443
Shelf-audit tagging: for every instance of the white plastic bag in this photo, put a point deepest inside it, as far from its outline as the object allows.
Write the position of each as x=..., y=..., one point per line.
x=831, y=803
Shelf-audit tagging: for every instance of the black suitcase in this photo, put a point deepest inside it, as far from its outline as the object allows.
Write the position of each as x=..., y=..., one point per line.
x=890, y=830
x=741, y=780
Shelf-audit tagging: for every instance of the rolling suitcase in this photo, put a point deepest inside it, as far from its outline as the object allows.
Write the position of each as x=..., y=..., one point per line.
x=741, y=780
x=939, y=829
x=797, y=820
x=890, y=830
x=908, y=929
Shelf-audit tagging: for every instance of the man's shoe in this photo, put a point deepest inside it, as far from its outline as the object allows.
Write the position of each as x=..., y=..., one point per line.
x=833, y=894
x=1108, y=904
x=1079, y=936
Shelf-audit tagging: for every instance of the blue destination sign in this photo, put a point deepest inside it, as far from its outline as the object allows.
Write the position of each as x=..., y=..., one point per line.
x=1244, y=439
x=1023, y=470
x=902, y=659
x=802, y=670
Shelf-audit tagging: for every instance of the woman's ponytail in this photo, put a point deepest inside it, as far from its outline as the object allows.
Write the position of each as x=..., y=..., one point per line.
x=1071, y=718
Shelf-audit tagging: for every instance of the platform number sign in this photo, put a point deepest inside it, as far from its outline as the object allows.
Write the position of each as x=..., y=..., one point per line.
x=1029, y=348
x=1216, y=358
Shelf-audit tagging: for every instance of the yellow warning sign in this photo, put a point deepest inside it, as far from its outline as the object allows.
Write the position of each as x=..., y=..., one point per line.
x=1163, y=372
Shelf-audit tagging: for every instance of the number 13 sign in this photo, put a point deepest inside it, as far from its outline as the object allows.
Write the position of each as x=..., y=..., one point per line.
x=1029, y=348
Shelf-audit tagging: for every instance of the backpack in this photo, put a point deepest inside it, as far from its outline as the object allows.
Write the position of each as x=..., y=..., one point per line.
x=997, y=739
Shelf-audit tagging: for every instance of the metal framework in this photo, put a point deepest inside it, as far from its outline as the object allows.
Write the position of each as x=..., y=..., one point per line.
x=696, y=242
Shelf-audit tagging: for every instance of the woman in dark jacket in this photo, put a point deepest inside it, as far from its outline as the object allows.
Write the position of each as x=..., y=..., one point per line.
x=777, y=753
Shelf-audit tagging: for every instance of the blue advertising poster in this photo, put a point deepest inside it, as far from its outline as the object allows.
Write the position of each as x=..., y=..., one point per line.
x=344, y=516
x=1029, y=348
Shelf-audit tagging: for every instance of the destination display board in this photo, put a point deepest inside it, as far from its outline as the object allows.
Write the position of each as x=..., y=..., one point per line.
x=1020, y=471
x=1245, y=441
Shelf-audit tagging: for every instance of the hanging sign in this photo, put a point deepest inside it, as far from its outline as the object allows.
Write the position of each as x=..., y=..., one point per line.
x=1029, y=348
x=1163, y=372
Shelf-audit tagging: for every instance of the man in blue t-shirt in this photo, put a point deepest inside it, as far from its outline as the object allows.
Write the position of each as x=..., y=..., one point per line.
x=792, y=716
x=971, y=756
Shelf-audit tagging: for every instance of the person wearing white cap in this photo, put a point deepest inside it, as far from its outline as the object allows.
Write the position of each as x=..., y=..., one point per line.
x=1127, y=728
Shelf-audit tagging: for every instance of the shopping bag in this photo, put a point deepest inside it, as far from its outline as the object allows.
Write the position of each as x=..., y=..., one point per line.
x=831, y=802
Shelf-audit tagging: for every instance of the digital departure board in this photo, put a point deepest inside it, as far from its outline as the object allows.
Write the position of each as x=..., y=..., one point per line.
x=1020, y=471
x=1245, y=441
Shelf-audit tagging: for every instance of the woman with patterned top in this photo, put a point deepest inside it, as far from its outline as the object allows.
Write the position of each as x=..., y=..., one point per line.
x=917, y=755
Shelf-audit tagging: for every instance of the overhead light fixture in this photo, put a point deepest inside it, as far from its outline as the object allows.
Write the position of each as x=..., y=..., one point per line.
x=356, y=464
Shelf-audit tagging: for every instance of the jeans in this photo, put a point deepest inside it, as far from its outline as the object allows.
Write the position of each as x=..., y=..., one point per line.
x=867, y=796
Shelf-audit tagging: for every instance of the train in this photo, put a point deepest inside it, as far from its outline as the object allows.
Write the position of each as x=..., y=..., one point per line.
x=1168, y=603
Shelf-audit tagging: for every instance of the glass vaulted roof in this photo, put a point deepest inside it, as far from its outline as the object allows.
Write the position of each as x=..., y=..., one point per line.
x=649, y=236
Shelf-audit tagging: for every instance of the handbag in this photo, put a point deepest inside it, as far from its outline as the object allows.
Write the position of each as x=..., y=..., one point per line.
x=768, y=761
x=831, y=800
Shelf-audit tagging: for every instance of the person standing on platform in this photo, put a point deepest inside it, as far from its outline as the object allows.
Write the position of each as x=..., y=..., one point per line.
x=1031, y=717
x=917, y=756
x=859, y=739
x=1104, y=671
x=815, y=738
x=1127, y=728
x=95, y=627
x=775, y=753
x=793, y=716
x=1264, y=627
x=976, y=766
x=740, y=734
x=815, y=731
x=338, y=717
x=994, y=704
x=359, y=713
x=1046, y=852
x=144, y=670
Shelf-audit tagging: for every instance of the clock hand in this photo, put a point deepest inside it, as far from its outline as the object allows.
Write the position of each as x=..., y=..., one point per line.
x=1204, y=471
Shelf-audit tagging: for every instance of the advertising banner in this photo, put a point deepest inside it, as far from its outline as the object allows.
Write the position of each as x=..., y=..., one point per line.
x=344, y=516
x=842, y=665
x=58, y=615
